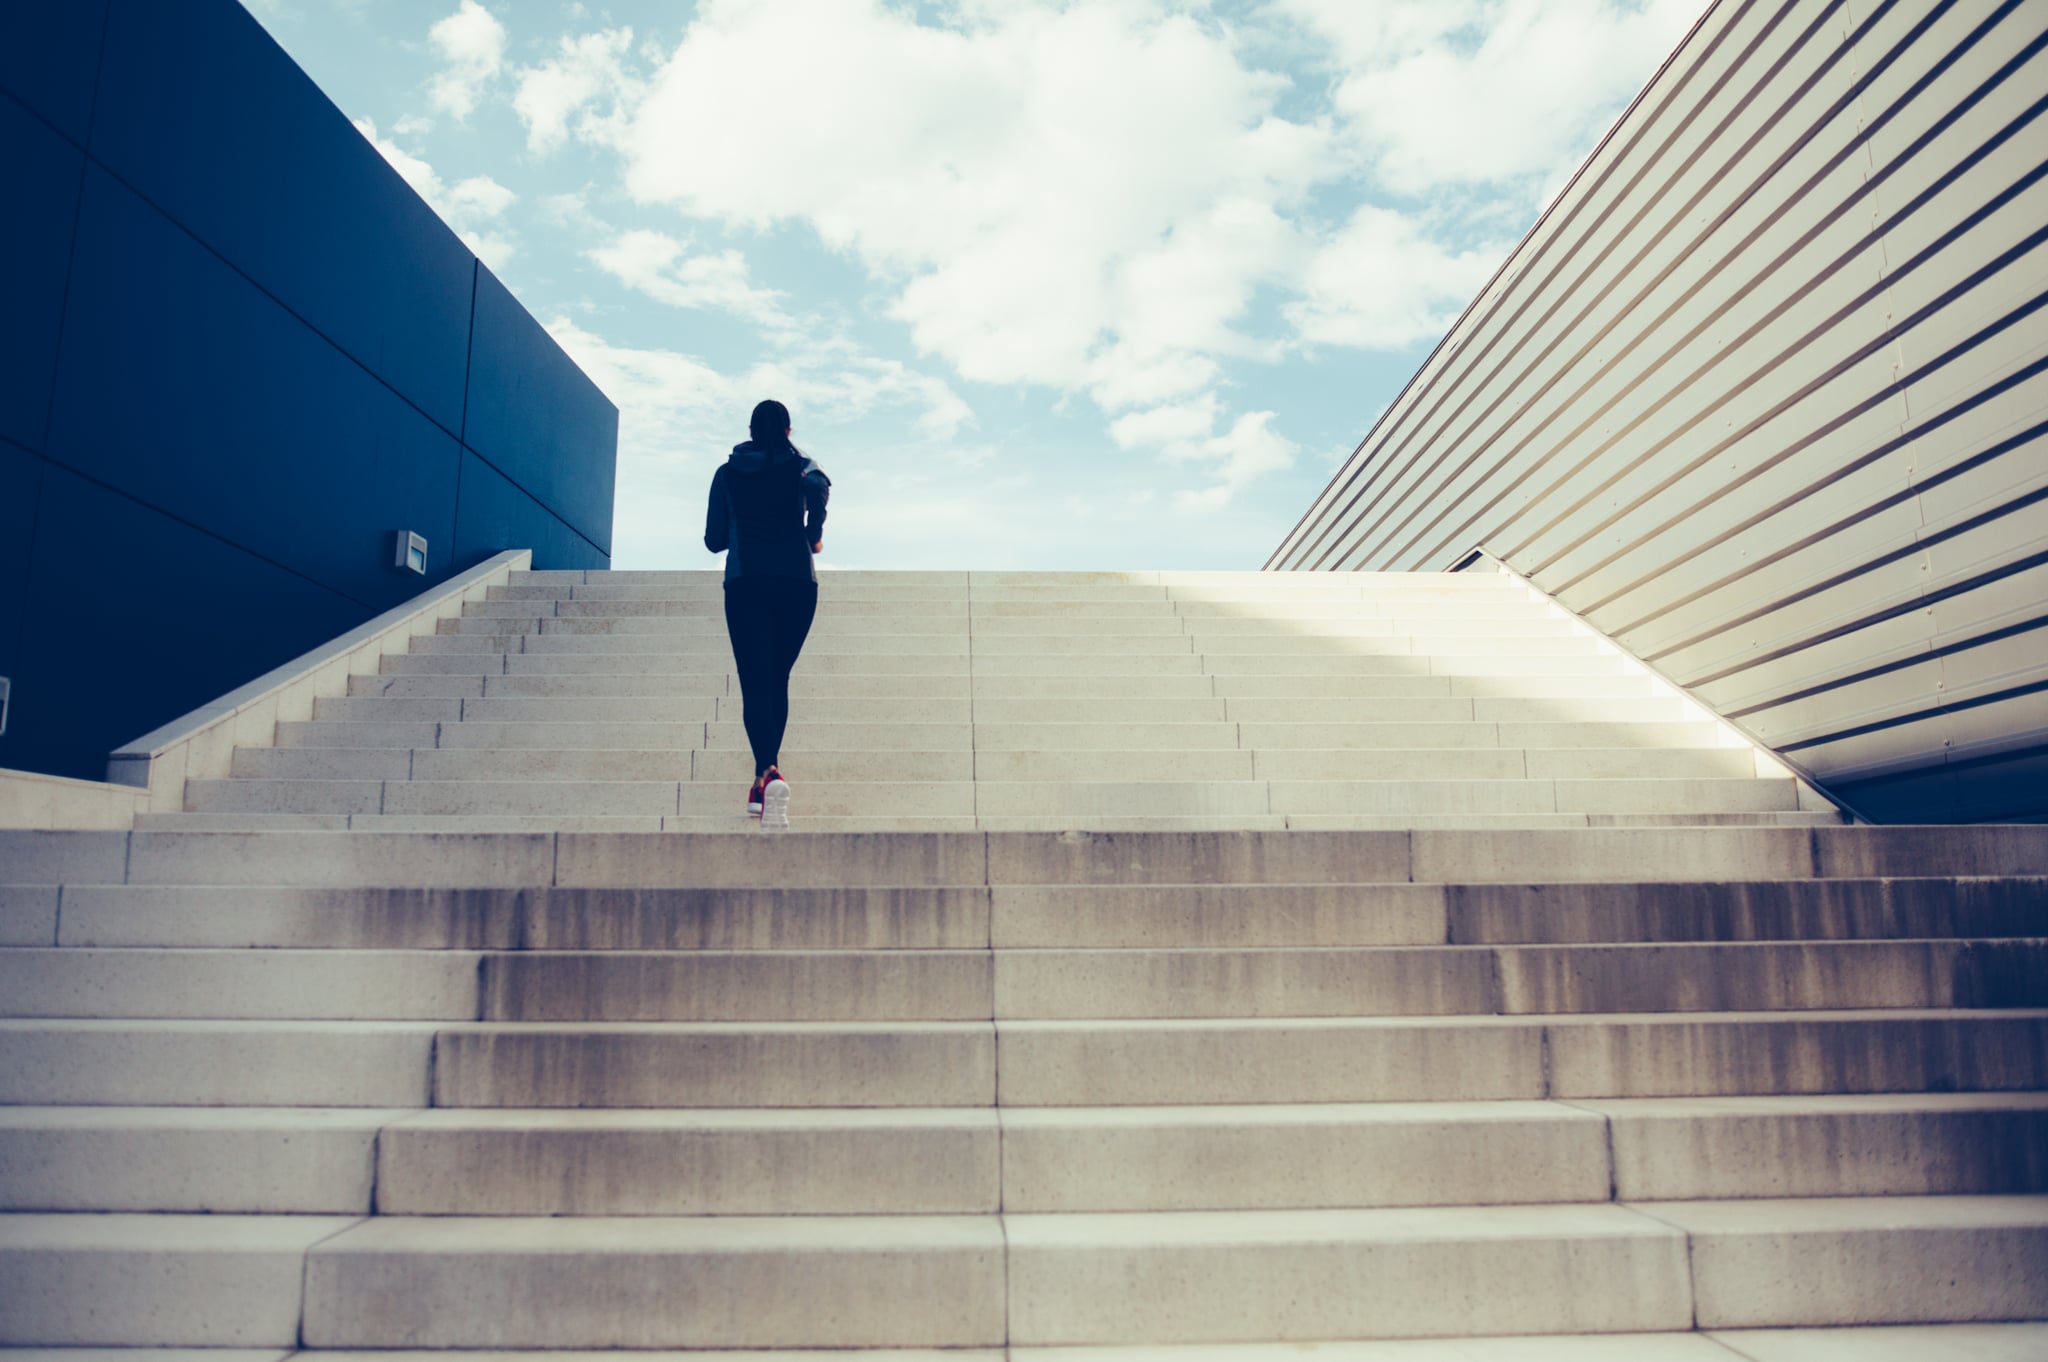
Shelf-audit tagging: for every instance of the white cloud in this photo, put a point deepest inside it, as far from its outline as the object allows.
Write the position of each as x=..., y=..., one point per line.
x=666, y=269
x=1448, y=92
x=580, y=89
x=472, y=43
x=1103, y=198
x=1020, y=175
x=1382, y=282
x=1180, y=424
x=1085, y=197
x=1186, y=433
x=473, y=207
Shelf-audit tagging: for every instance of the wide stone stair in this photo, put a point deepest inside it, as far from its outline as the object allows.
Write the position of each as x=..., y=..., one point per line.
x=956, y=701
x=1363, y=972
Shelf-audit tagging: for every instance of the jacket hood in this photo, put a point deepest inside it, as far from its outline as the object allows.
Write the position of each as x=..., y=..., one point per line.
x=748, y=457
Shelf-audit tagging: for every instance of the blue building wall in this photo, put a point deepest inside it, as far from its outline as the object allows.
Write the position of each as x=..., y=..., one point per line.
x=236, y=353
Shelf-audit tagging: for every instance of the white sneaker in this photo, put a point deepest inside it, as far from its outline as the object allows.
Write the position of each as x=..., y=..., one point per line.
x=775, y=803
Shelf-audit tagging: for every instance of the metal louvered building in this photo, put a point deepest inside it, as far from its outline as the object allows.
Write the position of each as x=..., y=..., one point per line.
x=1762, y=397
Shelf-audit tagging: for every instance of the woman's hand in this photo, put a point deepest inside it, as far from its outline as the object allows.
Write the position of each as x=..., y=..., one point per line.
x=818, y=547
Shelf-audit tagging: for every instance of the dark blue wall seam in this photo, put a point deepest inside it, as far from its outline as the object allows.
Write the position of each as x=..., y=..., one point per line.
x=283, y=306
x=521, y=487
x=334, y=345
x=469, y=360
x=216, y=536
x=33, y=112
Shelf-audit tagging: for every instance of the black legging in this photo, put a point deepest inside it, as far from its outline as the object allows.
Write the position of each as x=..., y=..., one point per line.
x=768, y=619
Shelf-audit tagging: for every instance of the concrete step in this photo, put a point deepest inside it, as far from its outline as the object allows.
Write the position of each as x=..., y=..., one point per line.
x=420, y=687
x=406, y=823
x=1095, y=1063
x=503, y=764
x=795, y=1064
x=1294, y=721
x=711, y=606
x=1548, y=644
x=333, y=985
x=1028, y=916
x=625, y=655
x=658, y=1282
x=1363, y=727
x=1481, y=660
x=1781, y=910
x=757, y=919
x=662, y=663
x=1148, y=1159
x=1837, y=1261
x=215, y=1063
x=1467, y=857
x=712, y=650
x=613, y=735
x=1420, y=762
x=1427, y=620
x=1207, y=1062
x=601, y=686
x=1100, y=709
x=1366, y=981
x=387, y=733
x=1215, y=761
x=771, y=986
x=934, y=732
x=1166, y=634
x=725, y=819
x=768, y=1162
x=569, y=797
x=1166, y=791
x=509, y=1283
x=526, y=687
x=1359, y=684
x=1217, y=1276
x=587, y=619
x=1164, y=741
x=267, y=1160
x=1239, y=591
x=1164, y=1158
x=1502, y=1153
x=1893, y=1343
x=1910, y=1144
x=28, y=914
x=1381, y=797
x=195, y=1281
x=657, y=1163
x=1231, y=590
x=1422, y=822
x=1413, y=632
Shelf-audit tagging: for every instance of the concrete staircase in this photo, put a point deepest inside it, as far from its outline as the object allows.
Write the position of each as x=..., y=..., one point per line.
x=1007, y=701
x=1180, y=968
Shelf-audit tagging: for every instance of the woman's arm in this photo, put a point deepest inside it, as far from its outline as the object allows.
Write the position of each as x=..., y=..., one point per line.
x=817, y=491
x=717, y=515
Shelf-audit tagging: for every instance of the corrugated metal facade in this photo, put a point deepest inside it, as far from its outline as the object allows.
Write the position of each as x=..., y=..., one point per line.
x=1762, y=397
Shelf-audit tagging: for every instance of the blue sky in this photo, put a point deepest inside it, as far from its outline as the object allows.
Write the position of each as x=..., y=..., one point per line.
x=1093, y=284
